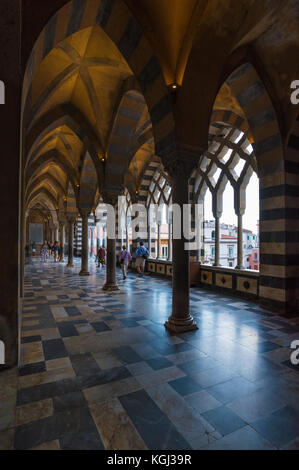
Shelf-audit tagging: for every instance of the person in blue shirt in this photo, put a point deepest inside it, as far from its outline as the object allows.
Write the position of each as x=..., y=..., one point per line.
x=142, y=255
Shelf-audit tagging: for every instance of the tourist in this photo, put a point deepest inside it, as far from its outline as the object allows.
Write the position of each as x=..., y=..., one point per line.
x=142, y=254
x=125, y=259
x=33, y=249
x=56, y=250
x=45, y=252
x=101, y=256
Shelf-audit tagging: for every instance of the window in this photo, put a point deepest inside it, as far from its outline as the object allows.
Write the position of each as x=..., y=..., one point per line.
x=226, y=173
x=160, y=194
x=230, y=251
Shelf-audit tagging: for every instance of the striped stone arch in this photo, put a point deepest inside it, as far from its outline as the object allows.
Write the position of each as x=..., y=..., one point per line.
x=49, y=157
x=65, y=114
x=283, y=242
x=229, y=119
x=147, y=179
x=71, y=203
x=260, y=114
x=89, y=184
x=259, y=111
x=42, y=198
x=44, y=178
x=115, y=18
x=45, y=195
x=125, y=135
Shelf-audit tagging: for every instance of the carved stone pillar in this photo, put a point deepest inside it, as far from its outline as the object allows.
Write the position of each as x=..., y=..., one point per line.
x=180, y=320
x=240, y=264
x=170, y=242
x=92, y=241
x=159, y=242
x=85, y=255
x=56, y=234
x=61, y=241
x=217, y=241
x=111, y=198
x=70, y=222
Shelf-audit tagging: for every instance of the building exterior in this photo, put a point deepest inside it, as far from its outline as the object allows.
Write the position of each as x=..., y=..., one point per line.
x=229, y=246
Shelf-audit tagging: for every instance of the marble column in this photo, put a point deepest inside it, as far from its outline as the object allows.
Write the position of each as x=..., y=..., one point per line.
x=217, y=241
x=85, y=254
x=56, y=234
x=92, y=242
x=159, y=242
x=170, y=243
x=111, y=284
x=180, y=320
x=61, y=241
x=149, y=239
x=71, y=222
x=98, y=236
x=105, y=236
x=240, y=264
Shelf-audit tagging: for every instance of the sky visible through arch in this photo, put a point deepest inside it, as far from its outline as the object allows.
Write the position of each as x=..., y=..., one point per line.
x=251, y=217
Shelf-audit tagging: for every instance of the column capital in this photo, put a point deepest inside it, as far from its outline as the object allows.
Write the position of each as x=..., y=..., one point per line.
x=71, y=219
x=180, y=163
x=111, y=198
x=84, y=212
x=240, y=212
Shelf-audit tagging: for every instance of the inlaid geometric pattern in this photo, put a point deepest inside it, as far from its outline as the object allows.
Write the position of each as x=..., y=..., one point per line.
x=99, y=371
x=230, y=158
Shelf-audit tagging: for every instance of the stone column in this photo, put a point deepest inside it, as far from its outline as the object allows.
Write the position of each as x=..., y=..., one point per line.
x=159, y=242
x=170, y=243
x=111, y=284
x=56, y=234
x=71, y=222
x=98, y=236
x=217, y=241
x=240, y=264
x=85, y=255
x=149, y=238
x=180, y=320
x=10, y=199
x=61, y=241
x=92, y=242
x=105, y=236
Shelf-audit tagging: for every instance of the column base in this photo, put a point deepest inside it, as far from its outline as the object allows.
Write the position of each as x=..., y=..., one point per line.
x=111, y=288
x=70, y=265
x=241, y=268
x=84, y=273
x=176, y=325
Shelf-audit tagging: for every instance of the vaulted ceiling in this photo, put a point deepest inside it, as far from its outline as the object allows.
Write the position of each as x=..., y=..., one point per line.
x=95, y=88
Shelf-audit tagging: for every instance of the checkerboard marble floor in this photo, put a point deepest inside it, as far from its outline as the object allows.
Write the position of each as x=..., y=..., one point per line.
x=99, y=371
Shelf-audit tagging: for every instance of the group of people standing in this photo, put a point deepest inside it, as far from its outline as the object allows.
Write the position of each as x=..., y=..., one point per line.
x=125, y=257
x=49, y=250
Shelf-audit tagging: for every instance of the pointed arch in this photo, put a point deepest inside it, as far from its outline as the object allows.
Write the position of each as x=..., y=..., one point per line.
x=71, y=203
x=115, y=18
x=89, y=184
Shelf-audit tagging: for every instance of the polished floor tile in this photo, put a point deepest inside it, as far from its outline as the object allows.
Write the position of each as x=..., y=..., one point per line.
x=99, y=370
